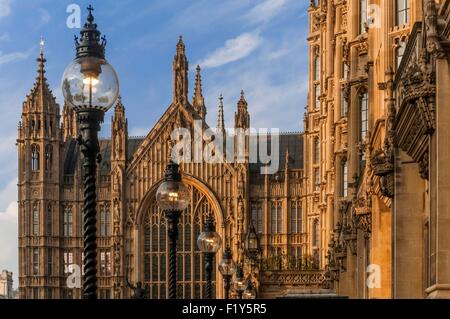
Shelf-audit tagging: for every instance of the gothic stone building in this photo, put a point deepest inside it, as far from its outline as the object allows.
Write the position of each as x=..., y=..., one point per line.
x=376, y=145
x=132, y=233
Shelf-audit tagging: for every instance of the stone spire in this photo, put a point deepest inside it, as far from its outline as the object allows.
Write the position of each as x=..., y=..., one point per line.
x=242, y=117
x=40, y=94
x=180, y=74
x=220, y=118
x=41, y=60
x=198, y=102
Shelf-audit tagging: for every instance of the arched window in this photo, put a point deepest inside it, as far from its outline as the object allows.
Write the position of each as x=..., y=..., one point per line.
x=364, y=114
x=363, y=18
x=296, y=218
x=48, y=219
x=317, y=179
x=35, y=219
x=277, y=217
x=316, y=233
x=257, y=217
x=191, y=277
x=35, y=154
x=105, y=220
x=317, y=66
x=48, y=157
x=344, y=102
x=402, y=8
x=316, y=150
x=317, y=96
x=344, y=179
x=67, y=221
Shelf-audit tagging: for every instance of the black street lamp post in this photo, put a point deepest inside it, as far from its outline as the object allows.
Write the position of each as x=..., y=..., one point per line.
x=209, y=243
x=227, y=268
x=251, y=244
x=90, y=86
x=172, y=197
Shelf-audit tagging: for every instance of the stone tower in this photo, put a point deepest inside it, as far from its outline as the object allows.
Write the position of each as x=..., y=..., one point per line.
x=39, y=140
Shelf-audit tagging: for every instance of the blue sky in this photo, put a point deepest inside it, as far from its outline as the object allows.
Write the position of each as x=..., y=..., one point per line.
x=256, y=45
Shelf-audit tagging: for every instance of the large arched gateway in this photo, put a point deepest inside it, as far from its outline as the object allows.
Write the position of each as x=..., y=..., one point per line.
x=153, y=244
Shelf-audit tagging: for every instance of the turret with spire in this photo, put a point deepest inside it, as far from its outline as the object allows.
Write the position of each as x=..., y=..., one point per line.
x=198, y=102
x=242, y=117
x=180, y=74
x=40, y=113
x=39, y=153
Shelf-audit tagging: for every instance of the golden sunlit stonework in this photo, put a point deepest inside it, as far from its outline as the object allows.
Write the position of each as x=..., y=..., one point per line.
x=132, y=233
x=358, y=207
x=376, y=146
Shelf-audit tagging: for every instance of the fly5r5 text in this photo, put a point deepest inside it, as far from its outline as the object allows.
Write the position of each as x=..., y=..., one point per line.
x=246, y=308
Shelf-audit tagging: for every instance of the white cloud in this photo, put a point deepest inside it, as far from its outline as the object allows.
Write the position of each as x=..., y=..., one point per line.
x=14, y=56
x=5, y=8
x=8, y=194
x=8, y=229
x=274, y=80
x=45, y=16
x=265, y=11
x=233, y=50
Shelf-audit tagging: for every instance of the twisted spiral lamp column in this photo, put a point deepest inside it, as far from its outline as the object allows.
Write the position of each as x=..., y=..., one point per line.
x=88, y=141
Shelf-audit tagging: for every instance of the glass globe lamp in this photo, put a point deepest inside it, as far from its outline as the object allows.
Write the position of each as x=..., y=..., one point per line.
x=90, y=82
x=252, y=242
x=239, y=281
x=172, y=194
x=227, y=266
x=209, y=241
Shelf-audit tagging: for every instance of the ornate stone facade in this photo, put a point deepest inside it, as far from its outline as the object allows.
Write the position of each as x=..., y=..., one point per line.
x=132, y=234
x=373, y=110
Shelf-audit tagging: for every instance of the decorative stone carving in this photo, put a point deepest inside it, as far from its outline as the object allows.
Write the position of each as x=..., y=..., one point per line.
x=363, y=213
x=431, y=28
x=415, y=119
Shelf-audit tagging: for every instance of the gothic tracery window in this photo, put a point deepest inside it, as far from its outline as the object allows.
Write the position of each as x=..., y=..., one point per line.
x=316, y=233
x=296, y=217
x=317, y=66
x=277, y=217
x=191, y=281
x=35, y=261
x=363, y=18
x=316, y=150
x=105, y=220
x=105, y=263
x=364, y=114
x=257, y=218
x=344, y=178
x=402, y=9
x=67, y=221
x=35, y=219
